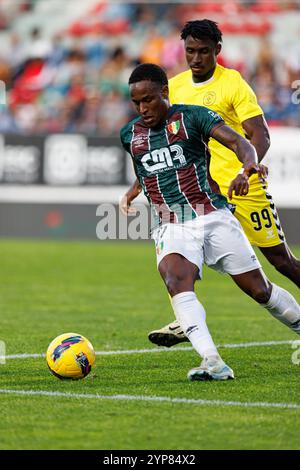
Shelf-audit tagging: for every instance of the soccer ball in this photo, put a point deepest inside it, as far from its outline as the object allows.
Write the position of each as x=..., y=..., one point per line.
x=70, y=356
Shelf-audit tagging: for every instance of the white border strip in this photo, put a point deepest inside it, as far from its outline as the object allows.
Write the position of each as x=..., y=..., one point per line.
x=188, y=401
x=159, y=350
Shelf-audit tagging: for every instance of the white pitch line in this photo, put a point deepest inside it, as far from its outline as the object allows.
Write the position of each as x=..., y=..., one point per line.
x=188, y=401
x=159, y=350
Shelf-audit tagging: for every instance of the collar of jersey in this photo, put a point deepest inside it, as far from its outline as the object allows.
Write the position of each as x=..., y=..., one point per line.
x=216, y=75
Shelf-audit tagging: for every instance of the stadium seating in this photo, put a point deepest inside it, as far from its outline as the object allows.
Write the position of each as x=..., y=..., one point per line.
x=62, y=58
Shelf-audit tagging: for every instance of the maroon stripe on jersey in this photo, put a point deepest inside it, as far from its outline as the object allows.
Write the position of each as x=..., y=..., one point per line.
x=157, y=200
x=189, y=185
x=181, y=134
x=140, y=139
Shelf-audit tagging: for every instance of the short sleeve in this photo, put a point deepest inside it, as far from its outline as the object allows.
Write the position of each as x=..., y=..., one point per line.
x=206, y=120
x=244, y=100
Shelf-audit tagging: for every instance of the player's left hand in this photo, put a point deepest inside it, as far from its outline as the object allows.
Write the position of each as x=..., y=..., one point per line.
x=240, y=184
x=259, y=168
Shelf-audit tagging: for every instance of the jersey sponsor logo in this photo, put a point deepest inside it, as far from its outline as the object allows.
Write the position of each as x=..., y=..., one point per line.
x=209, y=98
x=164, y=159
x=140, y=140
x=174, y=127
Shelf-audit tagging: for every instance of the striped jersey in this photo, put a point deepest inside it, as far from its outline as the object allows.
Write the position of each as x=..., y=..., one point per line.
x=172, y=163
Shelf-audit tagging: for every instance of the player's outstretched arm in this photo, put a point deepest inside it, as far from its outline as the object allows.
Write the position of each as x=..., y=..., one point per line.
x=245, y=152
x=128, y=197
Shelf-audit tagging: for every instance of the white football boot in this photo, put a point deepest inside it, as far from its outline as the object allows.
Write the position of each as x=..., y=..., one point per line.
x=168, y=336
x=211, y=368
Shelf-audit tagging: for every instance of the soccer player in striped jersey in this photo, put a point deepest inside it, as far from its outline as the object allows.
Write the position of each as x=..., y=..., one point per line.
x=224, y=91
x=168, y=146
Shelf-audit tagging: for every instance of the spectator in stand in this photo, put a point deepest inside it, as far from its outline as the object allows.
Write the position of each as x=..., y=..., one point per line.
x=115, y=72
x=14, y=55
x=151, y=52
x=112, y=113
x=172, y=54
x=88, y=123
x=58, y=51
x=39, y=47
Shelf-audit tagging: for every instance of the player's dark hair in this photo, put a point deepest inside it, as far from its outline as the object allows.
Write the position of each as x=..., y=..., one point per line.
x=202, y=29
x=151, y=72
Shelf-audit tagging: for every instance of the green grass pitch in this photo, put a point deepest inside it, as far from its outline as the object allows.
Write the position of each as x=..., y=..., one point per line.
x=112, y=294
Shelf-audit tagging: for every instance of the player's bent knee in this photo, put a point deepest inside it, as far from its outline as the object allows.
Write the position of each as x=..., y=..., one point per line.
x=179, y=274
x=176, y=284
x=255, y=284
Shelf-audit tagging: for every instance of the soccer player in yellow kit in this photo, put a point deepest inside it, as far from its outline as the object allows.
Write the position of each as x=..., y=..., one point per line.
x=224, y=91
x=229, y=95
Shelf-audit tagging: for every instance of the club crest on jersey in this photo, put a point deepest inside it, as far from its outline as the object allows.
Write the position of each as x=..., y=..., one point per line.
x=174, y=127
x=209, y=98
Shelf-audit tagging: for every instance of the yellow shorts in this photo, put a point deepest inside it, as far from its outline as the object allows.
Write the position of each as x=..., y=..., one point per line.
x=258, y=216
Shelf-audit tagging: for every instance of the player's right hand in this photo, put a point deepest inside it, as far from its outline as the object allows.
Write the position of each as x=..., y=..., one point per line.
x=125, y=205
x=126, y=200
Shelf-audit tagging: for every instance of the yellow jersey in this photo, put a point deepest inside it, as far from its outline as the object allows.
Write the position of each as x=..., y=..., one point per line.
x=227, y=93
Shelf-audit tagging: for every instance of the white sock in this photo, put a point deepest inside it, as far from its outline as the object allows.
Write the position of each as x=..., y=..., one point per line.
x=284, y=307
x=191, y=317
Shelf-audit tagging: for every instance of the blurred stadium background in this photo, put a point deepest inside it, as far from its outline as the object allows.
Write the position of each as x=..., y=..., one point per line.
x=65, y=66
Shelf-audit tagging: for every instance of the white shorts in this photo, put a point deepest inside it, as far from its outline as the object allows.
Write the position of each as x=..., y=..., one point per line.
x=216, y=239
